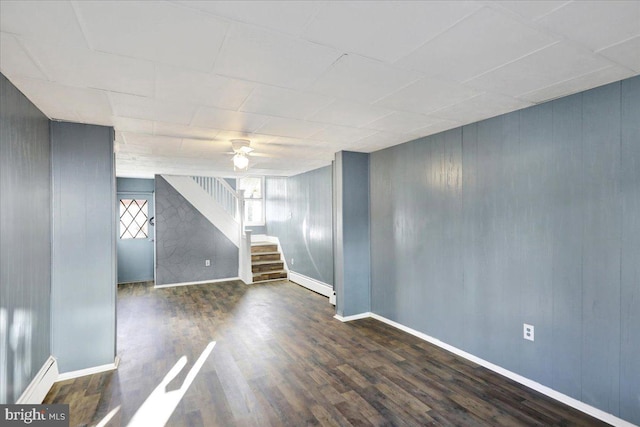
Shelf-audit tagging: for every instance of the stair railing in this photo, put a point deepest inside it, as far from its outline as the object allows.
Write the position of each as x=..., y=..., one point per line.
x=221, y=192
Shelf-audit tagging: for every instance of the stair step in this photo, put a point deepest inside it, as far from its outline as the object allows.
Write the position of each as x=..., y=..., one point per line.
x=269, y=266
x=257, y=249
x=268, y=256
x=272, y=275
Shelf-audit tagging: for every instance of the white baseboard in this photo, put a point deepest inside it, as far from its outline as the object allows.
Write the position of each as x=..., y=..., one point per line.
x=567, y=400
x=89, y=371
x=332, y=298
x=41, y=384
x=310, y=283
x=353, y=317
x=202, y=282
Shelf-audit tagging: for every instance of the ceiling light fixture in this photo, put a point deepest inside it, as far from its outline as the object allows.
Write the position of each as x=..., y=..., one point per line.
x=241, y=148
x=240, y=161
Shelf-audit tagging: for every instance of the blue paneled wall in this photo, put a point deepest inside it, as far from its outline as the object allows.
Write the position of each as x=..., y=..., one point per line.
x=299, y=213
x=529, y=217
x=25, y=241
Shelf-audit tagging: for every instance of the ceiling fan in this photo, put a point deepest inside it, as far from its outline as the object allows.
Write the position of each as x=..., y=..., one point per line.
x=241, y=149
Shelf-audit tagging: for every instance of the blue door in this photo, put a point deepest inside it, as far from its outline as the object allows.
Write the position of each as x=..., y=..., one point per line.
x=135, y=245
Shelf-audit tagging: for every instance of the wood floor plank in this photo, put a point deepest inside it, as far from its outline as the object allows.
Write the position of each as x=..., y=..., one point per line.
x=281, y=359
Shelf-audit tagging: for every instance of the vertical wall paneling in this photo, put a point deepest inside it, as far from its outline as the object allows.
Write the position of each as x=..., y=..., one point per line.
x=601, y=248
x=352, y=243
x=185, y=239
x=83, y=303
x=548, y=212
x=566, y=195
x=500, y=255
x=630, y=262
x=25, y=240
x=539, y=171
x=299, y=213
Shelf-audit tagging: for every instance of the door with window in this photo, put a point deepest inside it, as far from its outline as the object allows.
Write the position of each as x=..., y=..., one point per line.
x=135, y=245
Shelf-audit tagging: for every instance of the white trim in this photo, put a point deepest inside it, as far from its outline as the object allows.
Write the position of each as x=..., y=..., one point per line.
x=310, y=283
x=41, y=383
x=332, y=298
x=89, y=371
x=567, y=400
x=353, y=317
x=201, y=282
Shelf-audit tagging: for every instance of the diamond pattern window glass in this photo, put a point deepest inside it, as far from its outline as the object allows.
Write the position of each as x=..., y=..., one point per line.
x=134, y=219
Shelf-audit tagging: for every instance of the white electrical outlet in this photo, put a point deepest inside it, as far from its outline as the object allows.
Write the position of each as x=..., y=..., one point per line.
x=528, y=332
x=207, y=263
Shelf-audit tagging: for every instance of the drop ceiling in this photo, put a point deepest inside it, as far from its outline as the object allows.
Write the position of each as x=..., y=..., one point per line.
x=302, y=80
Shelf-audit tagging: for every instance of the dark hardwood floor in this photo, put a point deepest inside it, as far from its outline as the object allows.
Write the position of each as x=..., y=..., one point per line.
x=281, y=359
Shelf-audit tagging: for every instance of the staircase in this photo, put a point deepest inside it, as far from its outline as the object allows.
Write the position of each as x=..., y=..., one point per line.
x=266, y=262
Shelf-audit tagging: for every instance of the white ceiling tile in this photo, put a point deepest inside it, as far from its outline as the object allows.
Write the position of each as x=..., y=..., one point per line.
x=182, y=131
x=284, y=16
x=157, y=144
x=191, y=147
x=127, y=124
x=530, y=9
x=264, y=56
x=401, y=122
x=357, y=26
x=360, y=79
x=578, y=84
x=178, y=84
x=626, y=53
x=255, y=138
x=541, y=69
x=281, y=102
x=66, y=102
x=438, y=126
x=427, y=95
x=347, y=113
x=140, y=107
x=596, y=24
x=15, y=61
x=51, y=21
x=83, y=67
x=228, y=120
x=480, y=107
x=459, y=53
x=381, y=139
x=289, y=127
x=334, y=134
x=155, y=31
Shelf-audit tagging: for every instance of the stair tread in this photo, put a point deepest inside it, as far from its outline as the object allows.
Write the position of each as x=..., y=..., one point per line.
x=272, y=261
x=270, y=272
x=270, y=280
x=264, y=253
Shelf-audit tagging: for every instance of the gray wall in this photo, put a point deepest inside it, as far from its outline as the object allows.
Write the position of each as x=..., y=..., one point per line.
x=135, y=185
x=298, y=212
x=528, y=217
x=352, y=239
x=84, y=228
x=25, y=251
x=185, y=239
